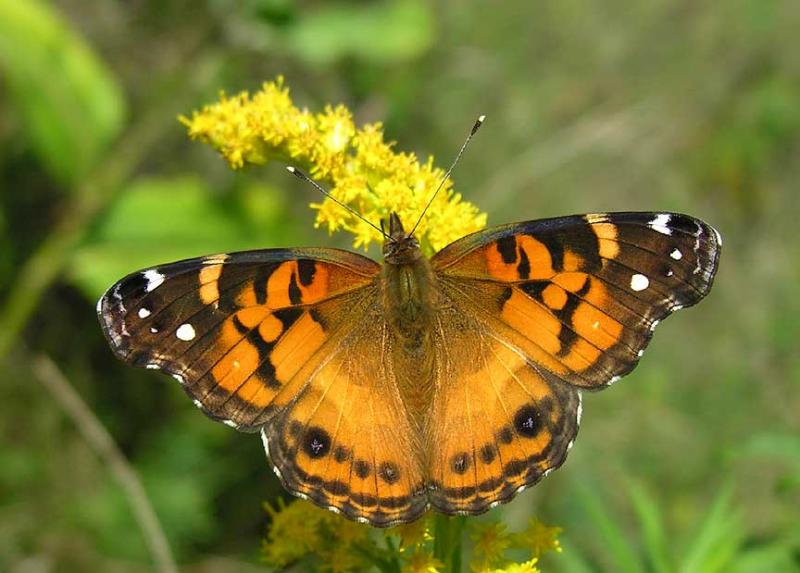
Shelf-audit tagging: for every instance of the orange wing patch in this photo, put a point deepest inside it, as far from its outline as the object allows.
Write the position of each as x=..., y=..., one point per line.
x=498, y=425
x=346, y=442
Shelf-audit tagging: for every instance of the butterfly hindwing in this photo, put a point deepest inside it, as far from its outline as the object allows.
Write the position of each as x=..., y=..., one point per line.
x=235, y=329
x=346, y=442
x=581, y=295
x=499, y=423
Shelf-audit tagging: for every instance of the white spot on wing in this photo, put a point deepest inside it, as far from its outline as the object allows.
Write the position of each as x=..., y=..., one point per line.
x=185, y=332
x=660, y=223
x=655, y=323
x=593, y=218
x=154, y=279
x=153, y=330
x=152, y=366
x=639, y=282
x=144, y=312
x=676, y=254
x=230, y=423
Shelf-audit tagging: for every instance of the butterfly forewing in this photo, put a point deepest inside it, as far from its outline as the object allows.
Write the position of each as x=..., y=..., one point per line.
x=234, y=329
x=581, y=295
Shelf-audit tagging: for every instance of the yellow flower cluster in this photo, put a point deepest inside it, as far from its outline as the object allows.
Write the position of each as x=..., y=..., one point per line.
x=362, y=170
x=538, y=538
x=303, y=533
x=491, y=540
x=300, y=529
x=526, y=567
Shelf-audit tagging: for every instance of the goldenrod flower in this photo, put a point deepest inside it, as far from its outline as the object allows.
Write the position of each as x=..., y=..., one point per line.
x=300, y=529
x=414, y=533
x=423, y=562
x=362, y=170
x=294, y=532
x=341, y=558
x=538, y=538
x=490, y=541
x=527, y=567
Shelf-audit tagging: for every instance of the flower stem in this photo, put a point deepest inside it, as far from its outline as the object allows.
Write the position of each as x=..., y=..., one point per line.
x=447, y=546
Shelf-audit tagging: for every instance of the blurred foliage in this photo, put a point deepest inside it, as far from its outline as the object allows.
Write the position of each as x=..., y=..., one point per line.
x=617, y=105
x=70, y=106
x=168, y=230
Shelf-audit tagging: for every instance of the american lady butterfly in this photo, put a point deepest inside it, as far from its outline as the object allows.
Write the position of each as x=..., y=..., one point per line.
x=450, y=383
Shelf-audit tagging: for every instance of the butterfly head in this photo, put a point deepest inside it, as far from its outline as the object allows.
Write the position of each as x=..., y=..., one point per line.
x=400, y=247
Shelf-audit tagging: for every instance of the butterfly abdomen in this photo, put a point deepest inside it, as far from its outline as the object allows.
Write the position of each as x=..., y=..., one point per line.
x=408, y=301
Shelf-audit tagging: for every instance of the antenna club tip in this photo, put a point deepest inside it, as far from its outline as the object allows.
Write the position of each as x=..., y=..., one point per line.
x=297, y=173
x=478, y=124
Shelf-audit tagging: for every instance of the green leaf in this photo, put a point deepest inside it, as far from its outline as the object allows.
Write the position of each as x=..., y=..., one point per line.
x=569, y=560
x=719, y=537
x=68, y=103
x=380, y=32
x=780, y=556
x=619, y=550
x=162, y=220
x=652, y=526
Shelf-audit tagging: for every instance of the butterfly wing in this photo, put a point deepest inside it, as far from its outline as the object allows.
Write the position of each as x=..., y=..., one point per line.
x=289, y=342
x=534, y=312
x=499, y=422
x=235, y=329
x=346, y=441
x=581, y=295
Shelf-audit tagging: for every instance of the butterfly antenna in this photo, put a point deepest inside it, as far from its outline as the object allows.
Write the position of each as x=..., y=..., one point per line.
x=300, y=175
x=473, y=131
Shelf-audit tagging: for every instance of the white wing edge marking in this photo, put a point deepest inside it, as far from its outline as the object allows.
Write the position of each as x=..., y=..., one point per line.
x=660, y=223
x=154, y=279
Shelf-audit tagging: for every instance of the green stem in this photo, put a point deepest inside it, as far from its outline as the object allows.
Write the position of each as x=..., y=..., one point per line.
x=447, y=544
x=388, y=565
x=394, y=552
x=91, y=198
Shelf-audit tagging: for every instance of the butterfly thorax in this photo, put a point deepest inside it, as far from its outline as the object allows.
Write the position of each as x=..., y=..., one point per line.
x=409, y=290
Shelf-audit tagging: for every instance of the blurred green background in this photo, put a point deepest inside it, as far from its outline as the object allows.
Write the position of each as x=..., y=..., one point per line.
x=691, y=464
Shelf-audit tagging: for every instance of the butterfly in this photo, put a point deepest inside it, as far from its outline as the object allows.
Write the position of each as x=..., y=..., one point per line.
x=451, y=383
